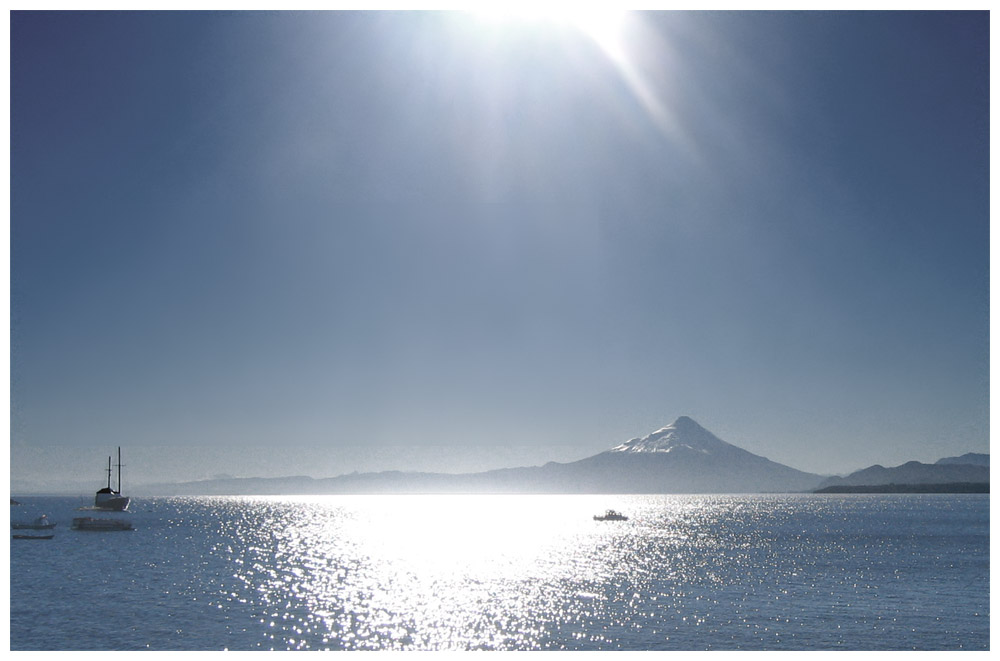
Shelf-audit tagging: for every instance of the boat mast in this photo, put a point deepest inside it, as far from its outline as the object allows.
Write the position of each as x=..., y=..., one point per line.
x=109, y=473
x=119, y=470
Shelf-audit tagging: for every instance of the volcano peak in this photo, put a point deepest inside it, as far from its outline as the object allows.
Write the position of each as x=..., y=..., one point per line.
x=683, y=434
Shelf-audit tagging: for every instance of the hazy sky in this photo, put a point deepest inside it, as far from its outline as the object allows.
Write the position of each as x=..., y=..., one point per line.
x=313, y=243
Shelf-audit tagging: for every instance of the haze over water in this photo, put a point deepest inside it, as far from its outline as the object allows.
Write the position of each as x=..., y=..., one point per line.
x=512, y=573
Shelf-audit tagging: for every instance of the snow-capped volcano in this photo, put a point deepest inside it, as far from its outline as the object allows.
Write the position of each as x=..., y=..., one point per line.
x=684, y=457
x=683, y=434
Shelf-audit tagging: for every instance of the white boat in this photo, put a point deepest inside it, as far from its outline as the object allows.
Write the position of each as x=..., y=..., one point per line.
x=100, y=525
x=109, y=499
x=41, y=523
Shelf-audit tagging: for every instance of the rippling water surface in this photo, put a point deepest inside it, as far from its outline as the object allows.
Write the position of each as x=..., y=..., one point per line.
x=510, y=573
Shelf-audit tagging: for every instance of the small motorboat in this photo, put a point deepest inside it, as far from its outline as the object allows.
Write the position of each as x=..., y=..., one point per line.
x=100, y=525
x=33, y=536
x=41, y=523
x=610, y=515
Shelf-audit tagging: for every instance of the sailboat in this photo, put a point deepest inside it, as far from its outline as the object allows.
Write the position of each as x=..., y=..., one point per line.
x=109, y=499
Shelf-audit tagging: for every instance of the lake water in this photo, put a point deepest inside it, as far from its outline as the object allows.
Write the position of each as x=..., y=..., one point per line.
x=802, y=572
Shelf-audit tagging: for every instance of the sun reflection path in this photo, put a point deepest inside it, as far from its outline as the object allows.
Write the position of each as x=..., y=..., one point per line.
x=459, y=572
x=426, y=572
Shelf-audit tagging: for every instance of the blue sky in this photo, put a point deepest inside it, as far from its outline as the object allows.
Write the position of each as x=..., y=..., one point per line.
x=312, y=243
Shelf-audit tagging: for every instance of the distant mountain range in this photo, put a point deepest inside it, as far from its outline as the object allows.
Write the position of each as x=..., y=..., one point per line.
x=683, y=457
x=971, y=458
x=914, y=472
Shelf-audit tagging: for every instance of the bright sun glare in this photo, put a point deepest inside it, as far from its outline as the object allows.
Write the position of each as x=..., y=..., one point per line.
x=618, y=33
x=601, y=24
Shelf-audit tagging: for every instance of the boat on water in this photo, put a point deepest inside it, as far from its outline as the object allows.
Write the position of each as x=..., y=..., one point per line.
x=109, y=499
x=33, y=536
x=41, y=523
x=100, y=525
x=610, y=515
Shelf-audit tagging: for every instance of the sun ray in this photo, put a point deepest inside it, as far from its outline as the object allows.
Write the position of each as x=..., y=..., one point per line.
x=621, y=37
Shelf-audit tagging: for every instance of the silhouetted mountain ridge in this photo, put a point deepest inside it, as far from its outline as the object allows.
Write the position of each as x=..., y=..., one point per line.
x=912, y=472
x=970, y=458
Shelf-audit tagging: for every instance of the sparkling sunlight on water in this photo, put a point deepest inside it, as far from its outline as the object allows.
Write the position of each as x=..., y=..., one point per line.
x=515, y=573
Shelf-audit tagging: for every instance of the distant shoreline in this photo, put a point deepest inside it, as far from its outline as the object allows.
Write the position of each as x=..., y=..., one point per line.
x=951, y=487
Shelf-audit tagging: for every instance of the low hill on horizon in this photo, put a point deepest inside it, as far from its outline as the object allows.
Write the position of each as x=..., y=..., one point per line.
x=913, y=473
x=969, y=458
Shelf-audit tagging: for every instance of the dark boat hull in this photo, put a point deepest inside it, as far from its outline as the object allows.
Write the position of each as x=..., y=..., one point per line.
x=100, y=525
x=115, y=504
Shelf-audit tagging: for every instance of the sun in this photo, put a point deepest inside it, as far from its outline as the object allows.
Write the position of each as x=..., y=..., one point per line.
x=642, y=58
x=602, y=24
